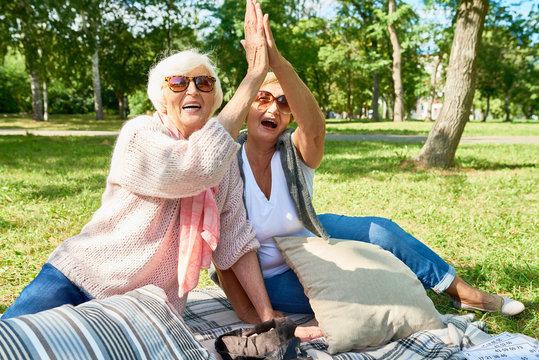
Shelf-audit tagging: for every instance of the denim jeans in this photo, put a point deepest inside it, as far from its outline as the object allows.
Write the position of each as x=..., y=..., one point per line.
x=286, y=292
x=48, y=290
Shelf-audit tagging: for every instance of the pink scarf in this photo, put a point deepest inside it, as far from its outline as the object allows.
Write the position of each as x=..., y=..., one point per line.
x=199, y=229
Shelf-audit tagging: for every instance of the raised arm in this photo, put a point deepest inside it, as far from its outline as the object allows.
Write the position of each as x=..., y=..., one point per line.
x=309, y=136
x=236, y=110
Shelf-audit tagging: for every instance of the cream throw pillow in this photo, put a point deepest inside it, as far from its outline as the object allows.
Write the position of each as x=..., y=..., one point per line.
x=361, y=294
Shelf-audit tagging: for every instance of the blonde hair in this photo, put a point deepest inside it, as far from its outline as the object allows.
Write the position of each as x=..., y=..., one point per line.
x=270, y=79
x=179, y=64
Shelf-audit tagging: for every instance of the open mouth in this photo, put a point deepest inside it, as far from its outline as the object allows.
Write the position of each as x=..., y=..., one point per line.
x=191, y=107
x=269, y=124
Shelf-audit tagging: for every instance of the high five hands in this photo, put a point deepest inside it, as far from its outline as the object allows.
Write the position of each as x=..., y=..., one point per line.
x=259, y=44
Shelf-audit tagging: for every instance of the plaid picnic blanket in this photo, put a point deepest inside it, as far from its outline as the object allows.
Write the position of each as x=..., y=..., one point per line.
x=209, y=314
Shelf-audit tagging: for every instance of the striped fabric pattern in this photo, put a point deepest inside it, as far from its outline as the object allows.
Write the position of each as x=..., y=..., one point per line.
x=137, y=325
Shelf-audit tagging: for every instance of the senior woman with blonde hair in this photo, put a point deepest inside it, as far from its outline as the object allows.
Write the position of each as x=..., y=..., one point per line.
x=278, y=165
x=173, y=197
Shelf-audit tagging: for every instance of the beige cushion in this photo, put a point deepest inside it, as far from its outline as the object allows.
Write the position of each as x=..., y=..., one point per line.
x=361, y=295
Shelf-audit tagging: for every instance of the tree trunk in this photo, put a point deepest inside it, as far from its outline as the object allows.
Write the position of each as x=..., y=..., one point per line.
x=121, y=105
x=385, y=109
x=32, y=67
x=375, y=97
x=441, y=145
x=37, y=102
x=45, y=100
x=96, y=81
x=398, y=112
x=348, y=90
x=507, y=110
x=485, y=115
x=432, y=93
x=391, y=105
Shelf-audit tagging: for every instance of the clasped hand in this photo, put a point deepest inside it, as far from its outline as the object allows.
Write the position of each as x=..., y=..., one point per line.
x=259, y=44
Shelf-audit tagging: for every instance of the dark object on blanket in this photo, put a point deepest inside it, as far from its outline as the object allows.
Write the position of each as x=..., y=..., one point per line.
x=273, y=340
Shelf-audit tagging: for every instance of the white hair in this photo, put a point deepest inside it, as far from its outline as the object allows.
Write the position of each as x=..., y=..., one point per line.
x=180, y=64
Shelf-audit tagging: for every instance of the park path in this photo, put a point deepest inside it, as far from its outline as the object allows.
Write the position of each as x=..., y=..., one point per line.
x=387, y=138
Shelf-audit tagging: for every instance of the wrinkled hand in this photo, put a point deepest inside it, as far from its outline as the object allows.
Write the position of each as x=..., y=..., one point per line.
x=255, y=39
x=274, y=56
x=307, y=333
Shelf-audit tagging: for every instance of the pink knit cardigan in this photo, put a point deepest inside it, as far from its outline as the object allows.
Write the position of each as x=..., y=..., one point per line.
x=132, y=239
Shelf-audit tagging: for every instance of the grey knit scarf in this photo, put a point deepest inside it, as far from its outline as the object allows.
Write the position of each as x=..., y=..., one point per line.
x=297, y=186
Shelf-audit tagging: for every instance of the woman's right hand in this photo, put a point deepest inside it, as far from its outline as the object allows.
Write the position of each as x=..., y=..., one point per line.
x=255, y=40
x=256, y=52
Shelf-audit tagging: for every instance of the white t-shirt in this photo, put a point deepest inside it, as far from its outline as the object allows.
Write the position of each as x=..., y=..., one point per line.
x=274, y=217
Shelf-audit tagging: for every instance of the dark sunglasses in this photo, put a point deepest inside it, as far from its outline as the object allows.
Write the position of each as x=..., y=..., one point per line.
x=179, y=83
x=264, y=100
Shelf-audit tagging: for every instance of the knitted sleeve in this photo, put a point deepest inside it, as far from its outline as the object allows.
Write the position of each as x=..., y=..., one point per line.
x=237, y=234
x=149, y=162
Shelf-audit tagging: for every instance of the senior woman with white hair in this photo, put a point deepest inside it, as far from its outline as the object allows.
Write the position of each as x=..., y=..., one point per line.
x=173, y=200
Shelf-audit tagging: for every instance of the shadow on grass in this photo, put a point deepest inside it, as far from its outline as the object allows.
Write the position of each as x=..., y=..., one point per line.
x=86, y=155
x=51, y=192
x=54, y=153
x=53, y=167
x=61, y=122
x=470, y=162
x=6, y=224
x=512, y=279
x=348, y=159
x=335, y=130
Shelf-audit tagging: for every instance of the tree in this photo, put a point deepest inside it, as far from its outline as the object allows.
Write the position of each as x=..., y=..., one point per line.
x=131, y=41
x=398, y=110
x=22, y=25
x=309, y=36
x=505, y=61
x=370, y=33
x=441, y=145
x=90, y=12
x=440, y=39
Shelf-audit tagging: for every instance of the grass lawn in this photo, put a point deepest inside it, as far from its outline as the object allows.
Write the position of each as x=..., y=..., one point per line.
x=61, y=122
x=420, y=127
x=334, y=126
x=481, y=217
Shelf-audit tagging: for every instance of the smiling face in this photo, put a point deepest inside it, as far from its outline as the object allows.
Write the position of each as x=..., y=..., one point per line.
x=190, y=109
x=269, y=124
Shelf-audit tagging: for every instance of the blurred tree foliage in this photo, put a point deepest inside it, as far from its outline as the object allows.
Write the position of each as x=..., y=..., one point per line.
x=344, y=56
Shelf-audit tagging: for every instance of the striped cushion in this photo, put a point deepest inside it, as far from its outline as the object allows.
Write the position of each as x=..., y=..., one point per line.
x=137, y=325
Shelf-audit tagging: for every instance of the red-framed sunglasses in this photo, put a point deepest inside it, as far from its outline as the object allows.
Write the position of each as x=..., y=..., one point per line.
x=179, y=83
x=264, y=99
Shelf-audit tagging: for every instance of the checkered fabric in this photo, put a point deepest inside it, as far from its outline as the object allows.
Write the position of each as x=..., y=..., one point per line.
x=209, y=314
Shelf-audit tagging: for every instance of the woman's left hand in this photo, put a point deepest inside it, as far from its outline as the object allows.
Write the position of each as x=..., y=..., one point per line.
x=275, y=57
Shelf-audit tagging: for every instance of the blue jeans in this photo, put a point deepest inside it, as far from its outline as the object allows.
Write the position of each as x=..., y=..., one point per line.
x=48, y=290
x=286, y=292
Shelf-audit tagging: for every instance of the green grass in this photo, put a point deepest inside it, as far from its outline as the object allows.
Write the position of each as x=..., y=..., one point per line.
x=334, y=126
x=481, y=217
x=420, y=127
x=61, y=122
